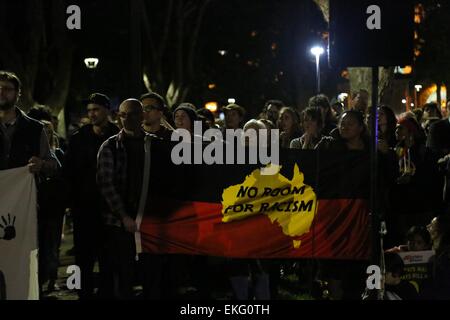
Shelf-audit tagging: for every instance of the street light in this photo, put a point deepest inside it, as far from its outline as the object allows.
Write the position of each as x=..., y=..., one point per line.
x=416, y=93
x=317, y=51
x=211, y=106
x=91, y=63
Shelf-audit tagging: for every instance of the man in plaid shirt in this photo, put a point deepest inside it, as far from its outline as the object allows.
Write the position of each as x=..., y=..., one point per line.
x=119, y=176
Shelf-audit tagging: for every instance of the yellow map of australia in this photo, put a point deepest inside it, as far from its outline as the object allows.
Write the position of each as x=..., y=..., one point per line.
x=289, y=203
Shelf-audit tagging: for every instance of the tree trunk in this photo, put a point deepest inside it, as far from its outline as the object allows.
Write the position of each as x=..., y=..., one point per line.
x=61, y=67
x=53, y=59
x=438, y=94
x=361, y=78
x=170, y=76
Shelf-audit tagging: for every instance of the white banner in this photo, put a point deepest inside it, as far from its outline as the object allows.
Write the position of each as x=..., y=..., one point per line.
x=417, y=266
x=18, y=235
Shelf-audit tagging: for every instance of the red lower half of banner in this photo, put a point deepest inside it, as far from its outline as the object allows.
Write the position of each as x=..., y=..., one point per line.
x=340, y=230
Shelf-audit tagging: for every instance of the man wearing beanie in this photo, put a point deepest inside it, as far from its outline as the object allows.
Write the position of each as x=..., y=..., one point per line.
x=184, y=116
x=85, y=200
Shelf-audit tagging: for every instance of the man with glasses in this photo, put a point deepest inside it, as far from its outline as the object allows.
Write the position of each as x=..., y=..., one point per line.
x=154, y=108
x=80, y=168
x=23, y=141
x=119, y=177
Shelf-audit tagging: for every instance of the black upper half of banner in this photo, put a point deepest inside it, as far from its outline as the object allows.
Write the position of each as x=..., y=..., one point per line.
x=332, y=175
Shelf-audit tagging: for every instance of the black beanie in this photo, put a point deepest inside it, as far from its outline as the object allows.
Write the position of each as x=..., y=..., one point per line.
x=189, y=108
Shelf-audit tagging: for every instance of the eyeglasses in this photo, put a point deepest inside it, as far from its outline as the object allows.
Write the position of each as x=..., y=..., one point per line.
x=149, y=108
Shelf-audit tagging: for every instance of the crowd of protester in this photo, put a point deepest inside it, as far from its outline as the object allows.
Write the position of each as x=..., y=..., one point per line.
x=95, y=179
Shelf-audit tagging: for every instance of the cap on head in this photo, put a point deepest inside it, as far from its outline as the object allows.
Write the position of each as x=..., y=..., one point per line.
x=98, y=98
x=189, y=108
x=235, y=107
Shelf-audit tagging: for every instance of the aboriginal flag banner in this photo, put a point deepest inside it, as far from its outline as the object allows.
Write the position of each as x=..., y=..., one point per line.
x=315, y=206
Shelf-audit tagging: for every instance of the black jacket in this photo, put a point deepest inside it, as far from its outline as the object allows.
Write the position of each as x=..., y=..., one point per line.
x=80, y=165
x=439, y=137
x=25, y=141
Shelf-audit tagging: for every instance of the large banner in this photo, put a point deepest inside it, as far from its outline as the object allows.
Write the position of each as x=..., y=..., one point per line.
x=18, y=235
x=315, y=206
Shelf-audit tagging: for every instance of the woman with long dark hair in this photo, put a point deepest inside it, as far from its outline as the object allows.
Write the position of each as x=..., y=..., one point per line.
x=387, y=121
x=417, y=191
x=312, y=125
x=289, y=125
x=352, y=134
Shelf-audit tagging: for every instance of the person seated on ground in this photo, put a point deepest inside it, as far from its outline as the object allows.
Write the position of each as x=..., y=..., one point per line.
x=396, y=288
x=438, y=285
x=418, y=239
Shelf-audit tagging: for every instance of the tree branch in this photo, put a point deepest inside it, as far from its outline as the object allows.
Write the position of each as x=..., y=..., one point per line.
x=188, y=9
x=180, y=38
x=148, y=33
x=194, y=38
x=166, y=31
x=61, y=68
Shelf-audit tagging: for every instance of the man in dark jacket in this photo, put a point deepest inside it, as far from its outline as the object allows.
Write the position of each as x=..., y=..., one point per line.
x=23, y=141
x=121, y=162
x=85, y=199
x=439, y=137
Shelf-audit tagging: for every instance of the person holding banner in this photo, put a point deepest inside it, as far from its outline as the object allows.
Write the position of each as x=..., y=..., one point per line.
x=352, y=136
x=119, y=177
x=23, y=141
x=395, y=287
x=418, y=239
